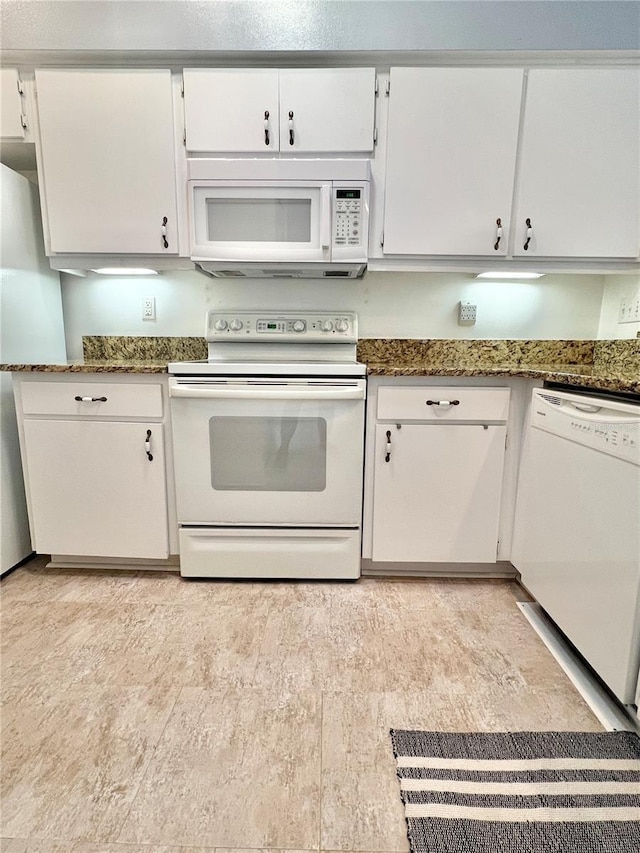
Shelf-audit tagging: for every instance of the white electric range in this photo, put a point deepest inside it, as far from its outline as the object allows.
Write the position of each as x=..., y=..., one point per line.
x=268, y=438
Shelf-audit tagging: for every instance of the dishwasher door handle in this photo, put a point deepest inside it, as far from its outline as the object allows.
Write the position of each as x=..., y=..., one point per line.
x=586, y=407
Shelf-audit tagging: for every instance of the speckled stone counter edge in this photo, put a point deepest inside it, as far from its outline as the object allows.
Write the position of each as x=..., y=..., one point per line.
x=613, y=364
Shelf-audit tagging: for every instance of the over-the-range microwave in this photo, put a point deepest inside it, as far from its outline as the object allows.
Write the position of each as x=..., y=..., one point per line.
x=290, y=218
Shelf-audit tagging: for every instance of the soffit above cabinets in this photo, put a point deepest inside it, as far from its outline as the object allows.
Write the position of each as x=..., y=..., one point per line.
x=253, y=26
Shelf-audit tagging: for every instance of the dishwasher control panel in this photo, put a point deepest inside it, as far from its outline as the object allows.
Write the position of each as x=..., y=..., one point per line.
x=613, y=428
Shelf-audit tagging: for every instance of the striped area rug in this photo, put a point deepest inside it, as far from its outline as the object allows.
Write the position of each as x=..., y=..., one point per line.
x=520, y=792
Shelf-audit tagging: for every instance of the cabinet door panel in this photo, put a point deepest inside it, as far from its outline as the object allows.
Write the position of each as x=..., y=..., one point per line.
x=108, y=160
x=580, y=172
x=438, y=497
x=93, y=491
x=224, y=109
x=451, y=154
x=333, y=109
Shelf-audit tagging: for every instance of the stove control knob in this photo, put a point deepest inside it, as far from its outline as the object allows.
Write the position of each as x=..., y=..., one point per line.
x=298, y=326
x=326, y=326
x=220, y=325
x=235, y=325
x=341, y=325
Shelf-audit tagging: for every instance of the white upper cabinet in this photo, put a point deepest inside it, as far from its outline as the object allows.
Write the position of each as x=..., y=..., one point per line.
x=108, y=160
x=580, y=182
x=247, y=111
x=327, y=110
x=451, y=157
x=12, y=118
x=231, y=110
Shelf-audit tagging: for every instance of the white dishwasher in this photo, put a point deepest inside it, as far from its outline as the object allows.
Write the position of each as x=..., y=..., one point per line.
x=577, y=527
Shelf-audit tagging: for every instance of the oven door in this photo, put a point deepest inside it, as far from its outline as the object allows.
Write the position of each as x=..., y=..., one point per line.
x=260, y=220
x=271, y=451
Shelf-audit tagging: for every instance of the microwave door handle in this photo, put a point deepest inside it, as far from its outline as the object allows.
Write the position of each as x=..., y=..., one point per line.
x=346, y=392
x=325, y=217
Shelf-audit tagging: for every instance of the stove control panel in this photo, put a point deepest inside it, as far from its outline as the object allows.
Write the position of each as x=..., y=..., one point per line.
x=301, y=327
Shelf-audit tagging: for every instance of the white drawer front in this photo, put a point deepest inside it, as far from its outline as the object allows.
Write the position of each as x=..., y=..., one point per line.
x=437, y=403
x=97, y=399
x=269, y=553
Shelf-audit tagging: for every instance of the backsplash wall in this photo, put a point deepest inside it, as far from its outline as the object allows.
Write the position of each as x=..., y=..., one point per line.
x=615, y=288
x=396, y=305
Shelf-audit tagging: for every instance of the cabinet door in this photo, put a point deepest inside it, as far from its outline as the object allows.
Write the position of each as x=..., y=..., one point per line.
x=438, y=497
x=224, y=110
x=93, y=492
x=333, y=109
x=580, y=181
x=11, y=126
x=451, y=154
x=108, y=160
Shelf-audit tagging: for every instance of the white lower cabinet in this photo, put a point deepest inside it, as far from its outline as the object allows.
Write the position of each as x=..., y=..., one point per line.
x=94, y=491
x=438, y=474
x=96, y=483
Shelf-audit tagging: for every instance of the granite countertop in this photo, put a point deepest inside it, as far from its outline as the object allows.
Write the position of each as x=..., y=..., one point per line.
x=573, y=374
x=610, y=365
x=113, y=365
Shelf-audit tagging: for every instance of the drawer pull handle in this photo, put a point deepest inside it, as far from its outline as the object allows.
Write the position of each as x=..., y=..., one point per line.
x=147, y=446
x=91, y=399
x=387, y=455
x=290, y=127
x=443, y=402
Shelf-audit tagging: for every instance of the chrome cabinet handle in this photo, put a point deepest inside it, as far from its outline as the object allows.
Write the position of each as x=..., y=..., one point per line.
x=498, y=233
x=290, y=127
x=147, y=446
x=387, y=455
x=529, y=234
x=163, y=232
x=443, y=402
x=91, y=399
x=266, y=127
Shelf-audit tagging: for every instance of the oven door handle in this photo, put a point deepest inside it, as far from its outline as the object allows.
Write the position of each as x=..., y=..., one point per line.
x=336, y=392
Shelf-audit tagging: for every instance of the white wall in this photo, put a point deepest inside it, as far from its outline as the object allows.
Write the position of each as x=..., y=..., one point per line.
x=615, y=288
x=388, y=304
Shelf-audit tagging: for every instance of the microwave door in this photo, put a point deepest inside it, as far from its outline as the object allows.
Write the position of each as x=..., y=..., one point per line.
x=261, y=221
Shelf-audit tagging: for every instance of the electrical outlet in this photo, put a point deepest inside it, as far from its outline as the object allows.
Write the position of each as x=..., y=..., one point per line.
x=629, y=309
x=148, y=308
x=467, y=313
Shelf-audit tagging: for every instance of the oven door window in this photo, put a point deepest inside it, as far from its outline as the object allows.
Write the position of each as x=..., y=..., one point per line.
x=268, y=454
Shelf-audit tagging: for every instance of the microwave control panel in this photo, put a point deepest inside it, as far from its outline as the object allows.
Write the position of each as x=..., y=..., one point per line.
x=348, y=218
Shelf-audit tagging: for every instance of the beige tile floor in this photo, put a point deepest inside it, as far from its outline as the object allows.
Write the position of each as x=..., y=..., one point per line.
x=143, y=713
